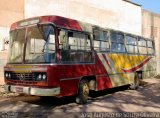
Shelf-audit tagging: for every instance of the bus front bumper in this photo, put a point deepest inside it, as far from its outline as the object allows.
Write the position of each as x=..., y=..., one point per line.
x=32, y=90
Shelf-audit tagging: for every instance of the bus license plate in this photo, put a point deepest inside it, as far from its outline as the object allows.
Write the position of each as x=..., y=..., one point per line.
x=19, y=89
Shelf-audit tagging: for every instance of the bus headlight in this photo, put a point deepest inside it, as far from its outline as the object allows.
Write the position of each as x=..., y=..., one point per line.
x=41, y=77
x=9, y=75
x=44, y=77
x=6, y=75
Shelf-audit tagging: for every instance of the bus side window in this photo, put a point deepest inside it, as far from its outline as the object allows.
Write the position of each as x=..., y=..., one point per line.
x=63, y=45
x=77, y=48
x=96, y=37
x=131, y=44
x=117, y=42
x=101, y=40
x=142, y=46
x=63, y=40
x=150, y=46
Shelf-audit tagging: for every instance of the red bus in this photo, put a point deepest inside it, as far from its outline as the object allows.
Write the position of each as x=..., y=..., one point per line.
x=57, y=56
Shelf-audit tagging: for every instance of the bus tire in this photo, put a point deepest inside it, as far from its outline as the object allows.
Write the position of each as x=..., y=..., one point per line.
x=83, y=92
x=136, y=82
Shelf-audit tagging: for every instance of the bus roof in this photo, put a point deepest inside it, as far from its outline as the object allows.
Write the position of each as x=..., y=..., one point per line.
x=58, y=21
x=61, y=22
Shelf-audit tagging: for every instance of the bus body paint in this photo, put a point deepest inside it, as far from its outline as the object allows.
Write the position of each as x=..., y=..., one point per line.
x=108, y=69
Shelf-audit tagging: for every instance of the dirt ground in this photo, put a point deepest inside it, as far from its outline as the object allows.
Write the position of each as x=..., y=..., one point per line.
x=1, y=81
x=118, y=100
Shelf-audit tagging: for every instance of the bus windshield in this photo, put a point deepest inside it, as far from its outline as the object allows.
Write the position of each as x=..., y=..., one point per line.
x=37, y=47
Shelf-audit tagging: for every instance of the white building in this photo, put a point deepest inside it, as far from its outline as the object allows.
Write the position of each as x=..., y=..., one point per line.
x=117, y=14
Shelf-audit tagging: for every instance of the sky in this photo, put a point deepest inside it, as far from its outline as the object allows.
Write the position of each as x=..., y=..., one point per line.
x=151, y=5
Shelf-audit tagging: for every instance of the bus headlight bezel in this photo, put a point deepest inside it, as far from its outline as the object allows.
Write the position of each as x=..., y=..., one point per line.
x=7, y=75
x=44, y=77
x=41, y=77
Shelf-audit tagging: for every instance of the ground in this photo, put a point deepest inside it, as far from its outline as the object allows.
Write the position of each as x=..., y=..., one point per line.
x=119, y=100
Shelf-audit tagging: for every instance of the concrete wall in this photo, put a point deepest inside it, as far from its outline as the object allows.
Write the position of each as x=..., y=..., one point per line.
x=151, y=29
x=10, y=11
x=4, y=35
x=117, y=14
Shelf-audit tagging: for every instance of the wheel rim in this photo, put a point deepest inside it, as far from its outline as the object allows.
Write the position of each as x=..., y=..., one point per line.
x=85, y=90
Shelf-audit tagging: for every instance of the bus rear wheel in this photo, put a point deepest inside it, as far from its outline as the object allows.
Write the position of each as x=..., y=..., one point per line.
x=136, y=82
x=83, y=92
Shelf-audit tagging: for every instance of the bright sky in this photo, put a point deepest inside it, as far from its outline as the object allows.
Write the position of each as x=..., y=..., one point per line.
x=151, y=5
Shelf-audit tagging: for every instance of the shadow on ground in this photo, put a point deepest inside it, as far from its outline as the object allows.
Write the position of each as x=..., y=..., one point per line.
x=97, y=99
x=157, y=77
x=53, y=101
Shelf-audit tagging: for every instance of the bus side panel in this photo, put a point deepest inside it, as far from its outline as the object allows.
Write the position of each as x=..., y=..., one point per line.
x=53, y=76
x=114, y=65
x=124, y=67
x=101, y=71
x=69, y=87
x=149, y=70
x=70, y=76
x=119, y=62
x=103, y=82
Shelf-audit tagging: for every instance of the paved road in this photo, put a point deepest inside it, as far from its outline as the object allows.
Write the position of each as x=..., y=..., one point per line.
x=145, y=99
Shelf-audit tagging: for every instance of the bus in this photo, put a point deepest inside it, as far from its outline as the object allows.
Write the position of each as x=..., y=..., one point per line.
x=58, y=56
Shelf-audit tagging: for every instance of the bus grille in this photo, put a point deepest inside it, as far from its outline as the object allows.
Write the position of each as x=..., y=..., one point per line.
x=23, y=76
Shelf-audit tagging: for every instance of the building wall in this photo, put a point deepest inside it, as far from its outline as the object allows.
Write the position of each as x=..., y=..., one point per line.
x=151, y=29
x=117, y=14
x=10, y=11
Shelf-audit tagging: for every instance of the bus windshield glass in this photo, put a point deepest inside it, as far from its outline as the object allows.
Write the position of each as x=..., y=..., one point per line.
x=17, y=39
x=37, y=47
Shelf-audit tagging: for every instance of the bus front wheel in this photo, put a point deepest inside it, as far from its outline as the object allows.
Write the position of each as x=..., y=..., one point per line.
x=83, y=92
x=136, y=82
